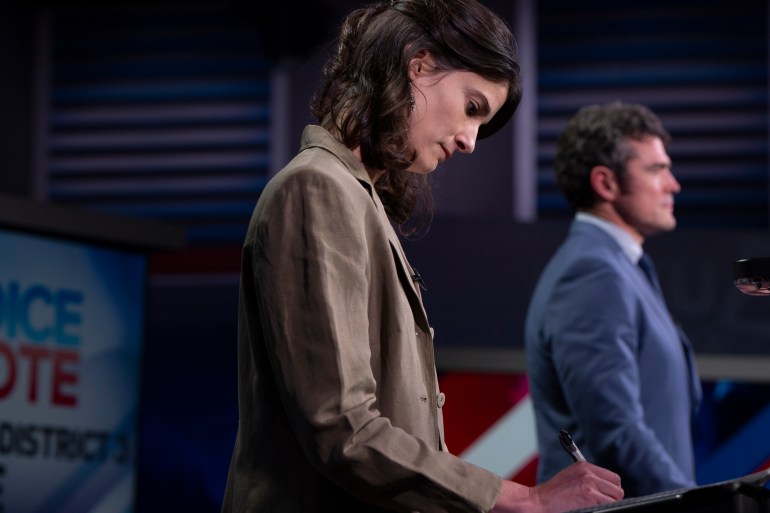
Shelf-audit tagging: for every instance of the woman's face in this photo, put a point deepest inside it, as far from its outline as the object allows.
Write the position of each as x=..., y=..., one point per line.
x=449, y=109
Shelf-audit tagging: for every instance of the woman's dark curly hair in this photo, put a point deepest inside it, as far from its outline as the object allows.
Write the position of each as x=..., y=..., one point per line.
x=364, y=99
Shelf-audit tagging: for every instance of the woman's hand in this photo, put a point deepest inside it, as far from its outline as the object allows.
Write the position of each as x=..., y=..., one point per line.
x=577, y=486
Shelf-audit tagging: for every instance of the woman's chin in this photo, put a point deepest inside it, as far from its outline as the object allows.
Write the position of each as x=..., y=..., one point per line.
x=423, y=168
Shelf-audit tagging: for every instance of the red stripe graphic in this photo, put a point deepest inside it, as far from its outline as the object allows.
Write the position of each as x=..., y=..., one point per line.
x=475, y=402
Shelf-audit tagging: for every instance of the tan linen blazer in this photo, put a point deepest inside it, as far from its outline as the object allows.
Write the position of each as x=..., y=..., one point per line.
x=339, y=402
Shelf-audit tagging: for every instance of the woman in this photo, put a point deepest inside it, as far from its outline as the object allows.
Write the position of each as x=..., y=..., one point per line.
x=339, y=402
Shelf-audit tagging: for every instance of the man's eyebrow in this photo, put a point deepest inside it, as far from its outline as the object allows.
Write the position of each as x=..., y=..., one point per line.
x=659, y=165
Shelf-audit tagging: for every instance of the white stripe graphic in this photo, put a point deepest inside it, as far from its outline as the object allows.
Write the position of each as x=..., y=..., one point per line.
x=509, y=444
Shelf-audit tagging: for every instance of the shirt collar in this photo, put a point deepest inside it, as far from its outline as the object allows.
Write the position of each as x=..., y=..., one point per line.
x=630, y=247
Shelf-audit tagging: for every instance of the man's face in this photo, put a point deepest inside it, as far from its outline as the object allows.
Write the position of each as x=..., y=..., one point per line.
x=647, y=199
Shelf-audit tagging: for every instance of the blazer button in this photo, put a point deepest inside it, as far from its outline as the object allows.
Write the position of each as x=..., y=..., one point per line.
x=440, y=399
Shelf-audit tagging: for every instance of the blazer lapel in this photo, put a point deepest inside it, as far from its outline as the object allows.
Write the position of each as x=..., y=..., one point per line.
x=405, y=271
x=655, y=298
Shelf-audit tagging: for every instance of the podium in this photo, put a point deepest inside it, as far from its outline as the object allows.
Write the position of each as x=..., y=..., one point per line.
x=746, y=494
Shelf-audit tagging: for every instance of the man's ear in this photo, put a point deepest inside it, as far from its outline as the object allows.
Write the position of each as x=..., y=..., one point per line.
x=604, y=183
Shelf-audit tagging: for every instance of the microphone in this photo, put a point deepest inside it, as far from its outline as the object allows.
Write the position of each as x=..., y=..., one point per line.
x=416, y=278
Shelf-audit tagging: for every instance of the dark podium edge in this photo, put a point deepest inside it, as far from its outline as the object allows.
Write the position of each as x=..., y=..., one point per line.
x=78, y=224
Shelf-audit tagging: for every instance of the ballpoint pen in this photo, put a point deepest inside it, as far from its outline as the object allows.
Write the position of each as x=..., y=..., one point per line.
x=569, y=446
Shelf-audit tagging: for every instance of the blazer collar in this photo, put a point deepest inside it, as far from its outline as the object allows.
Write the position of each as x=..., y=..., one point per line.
x=315, y=136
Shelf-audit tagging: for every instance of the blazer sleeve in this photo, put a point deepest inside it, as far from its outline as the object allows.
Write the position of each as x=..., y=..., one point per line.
x=596, y=318
x=316, y=243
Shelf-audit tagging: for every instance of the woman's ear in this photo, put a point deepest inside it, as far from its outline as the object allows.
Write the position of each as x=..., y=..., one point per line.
x=604, y=183
x=420, y=63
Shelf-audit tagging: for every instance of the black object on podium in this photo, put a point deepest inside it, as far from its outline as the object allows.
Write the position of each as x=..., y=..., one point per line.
x=752, y=276
x=746, y=494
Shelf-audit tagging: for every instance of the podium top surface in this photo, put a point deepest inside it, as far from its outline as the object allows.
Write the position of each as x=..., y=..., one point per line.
x=689, y=499
x=97, y=227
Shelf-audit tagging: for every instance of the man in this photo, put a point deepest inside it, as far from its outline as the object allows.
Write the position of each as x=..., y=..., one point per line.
x=605, y=360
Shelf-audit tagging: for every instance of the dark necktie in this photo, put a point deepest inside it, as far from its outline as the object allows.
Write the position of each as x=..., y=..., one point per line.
x=649, y=270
